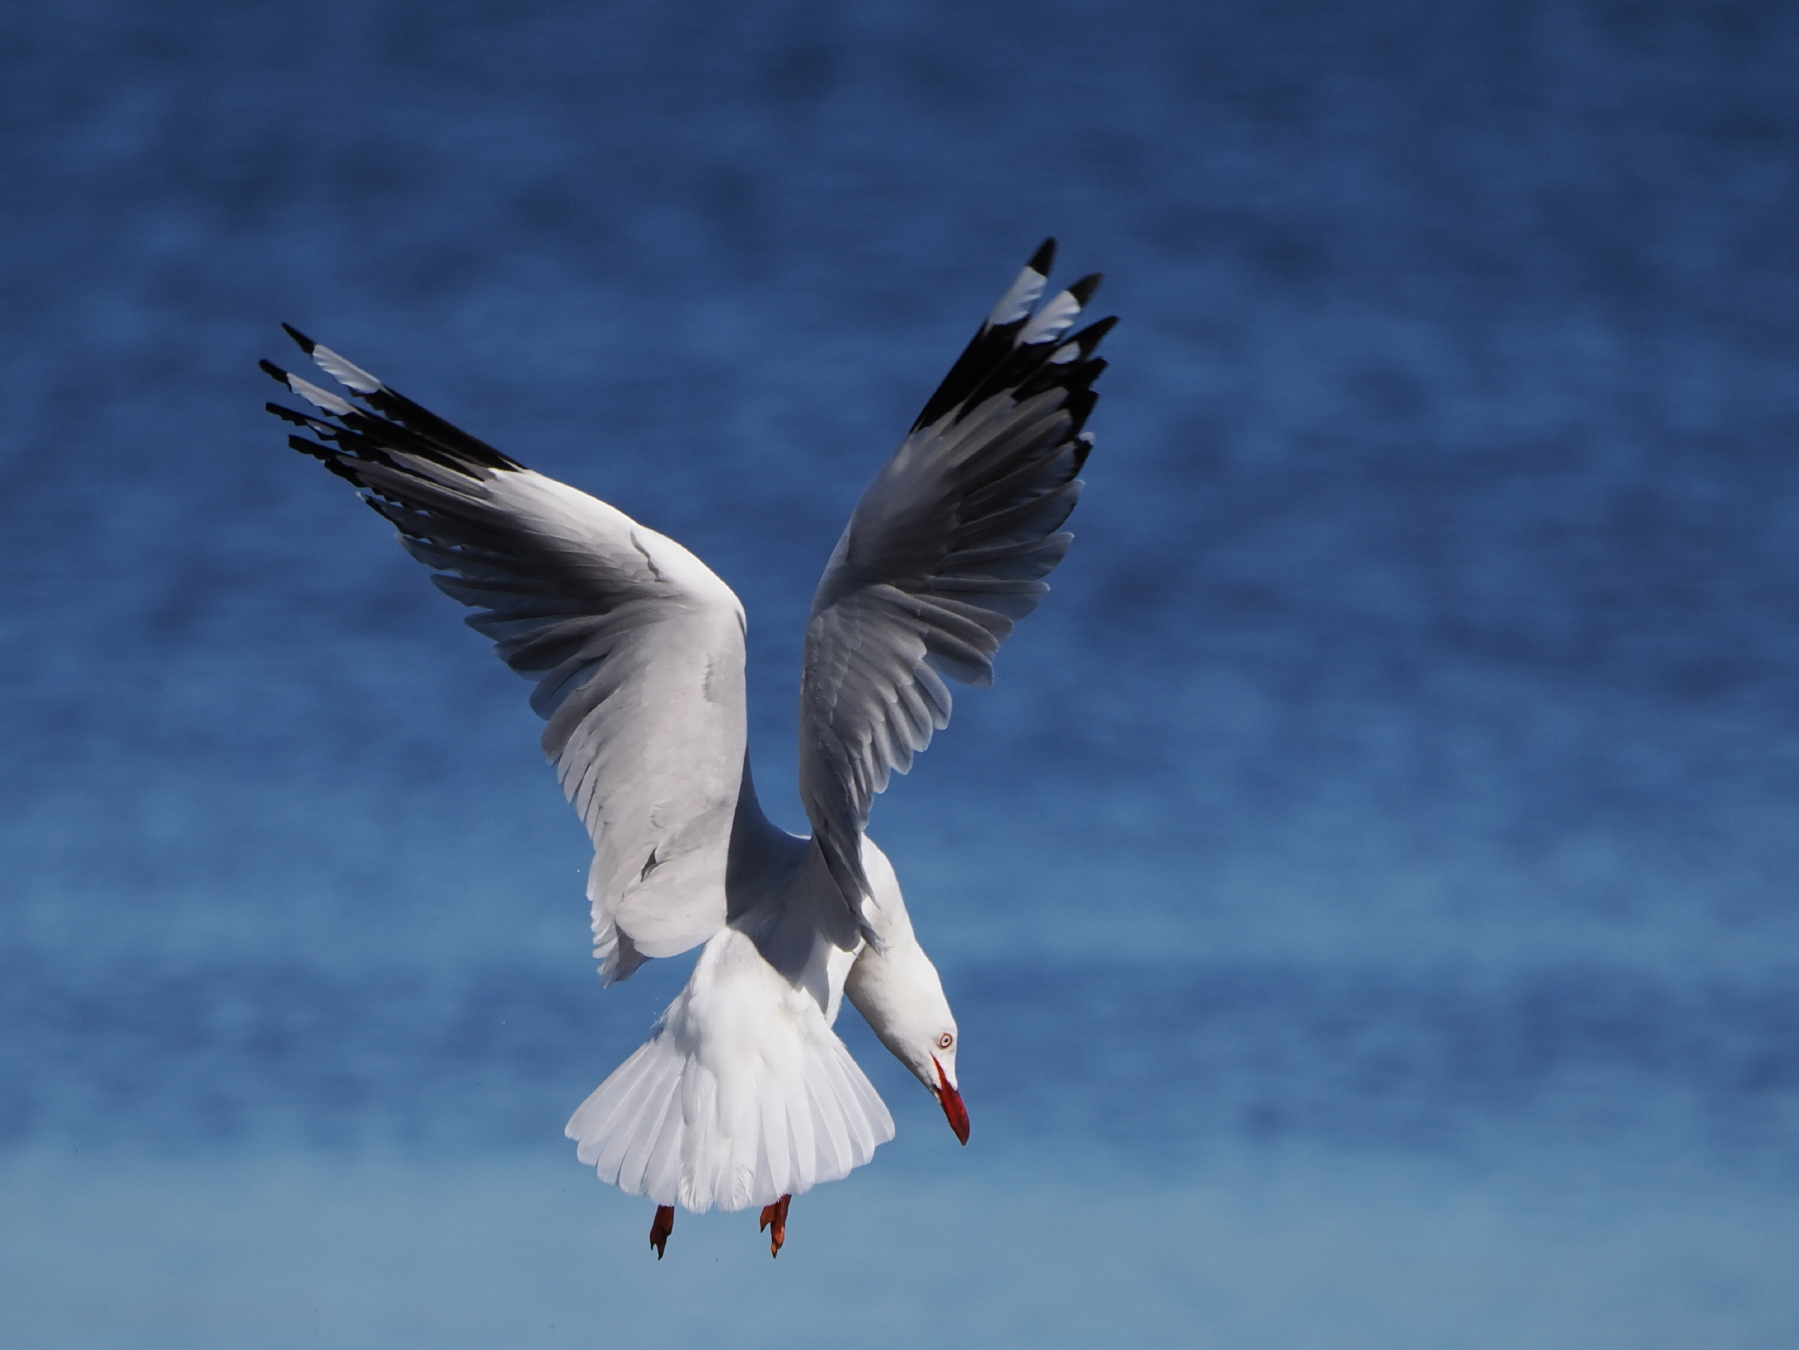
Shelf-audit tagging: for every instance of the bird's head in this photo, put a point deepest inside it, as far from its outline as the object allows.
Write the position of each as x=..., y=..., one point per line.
x=900, y=995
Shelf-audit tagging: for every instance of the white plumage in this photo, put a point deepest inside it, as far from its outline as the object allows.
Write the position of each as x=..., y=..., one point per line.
x=744, y=1095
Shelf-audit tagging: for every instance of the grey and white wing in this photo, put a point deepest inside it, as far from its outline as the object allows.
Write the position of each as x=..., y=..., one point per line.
x=636, y=648
x=946, y=550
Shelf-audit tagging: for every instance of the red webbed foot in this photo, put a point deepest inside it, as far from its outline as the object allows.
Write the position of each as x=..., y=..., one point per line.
x=774, y=1219
x=661, y=1228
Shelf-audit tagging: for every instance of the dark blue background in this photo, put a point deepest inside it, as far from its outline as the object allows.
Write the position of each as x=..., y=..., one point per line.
x=1403, y=775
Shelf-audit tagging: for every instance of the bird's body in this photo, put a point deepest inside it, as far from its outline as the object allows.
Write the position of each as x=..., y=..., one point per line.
x=744, y=1095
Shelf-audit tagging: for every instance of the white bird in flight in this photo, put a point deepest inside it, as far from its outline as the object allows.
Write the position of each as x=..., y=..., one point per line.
x=744, y=1095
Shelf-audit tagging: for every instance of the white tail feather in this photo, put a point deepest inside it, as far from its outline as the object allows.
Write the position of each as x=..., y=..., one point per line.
x=741, y=1095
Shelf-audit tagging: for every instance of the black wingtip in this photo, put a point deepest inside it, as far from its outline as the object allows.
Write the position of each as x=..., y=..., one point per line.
x=1083, y=446
x=1044, y=257
x=1082, y=290
x=299, y=419
x=305, y=343
x=306, y=447
x=1090, y=336
x=274, y=372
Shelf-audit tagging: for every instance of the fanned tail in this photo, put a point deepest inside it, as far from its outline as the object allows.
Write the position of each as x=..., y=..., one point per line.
x=710, y=1112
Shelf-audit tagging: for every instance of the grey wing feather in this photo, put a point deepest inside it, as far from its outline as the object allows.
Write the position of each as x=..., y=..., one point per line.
x=635, y=647
x=946, y=550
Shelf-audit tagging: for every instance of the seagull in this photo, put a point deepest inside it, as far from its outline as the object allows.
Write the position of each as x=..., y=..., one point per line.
x=744, y=1095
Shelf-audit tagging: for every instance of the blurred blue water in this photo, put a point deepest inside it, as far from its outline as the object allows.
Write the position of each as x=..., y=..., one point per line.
x=1159, y=1060
x=1399, y=784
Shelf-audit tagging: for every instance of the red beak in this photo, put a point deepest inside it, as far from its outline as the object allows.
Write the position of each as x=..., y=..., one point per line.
x=953, y=1110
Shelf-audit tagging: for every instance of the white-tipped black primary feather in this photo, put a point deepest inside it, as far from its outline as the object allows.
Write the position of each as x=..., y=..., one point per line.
x=636, y=648
x=946, y=550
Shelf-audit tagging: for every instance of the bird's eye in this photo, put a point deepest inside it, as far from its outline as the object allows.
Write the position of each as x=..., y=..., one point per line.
x=945, y=1041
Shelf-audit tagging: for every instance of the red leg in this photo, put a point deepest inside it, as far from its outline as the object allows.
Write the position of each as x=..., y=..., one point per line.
x=774, y=1218
x=659, y=1230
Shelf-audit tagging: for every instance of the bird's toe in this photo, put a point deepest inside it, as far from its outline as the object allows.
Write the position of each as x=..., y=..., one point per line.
x=661, y=1228
x=774, y=1221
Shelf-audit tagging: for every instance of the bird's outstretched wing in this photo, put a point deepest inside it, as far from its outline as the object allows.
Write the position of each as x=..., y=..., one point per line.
x=635, y=646
x=946, y=550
